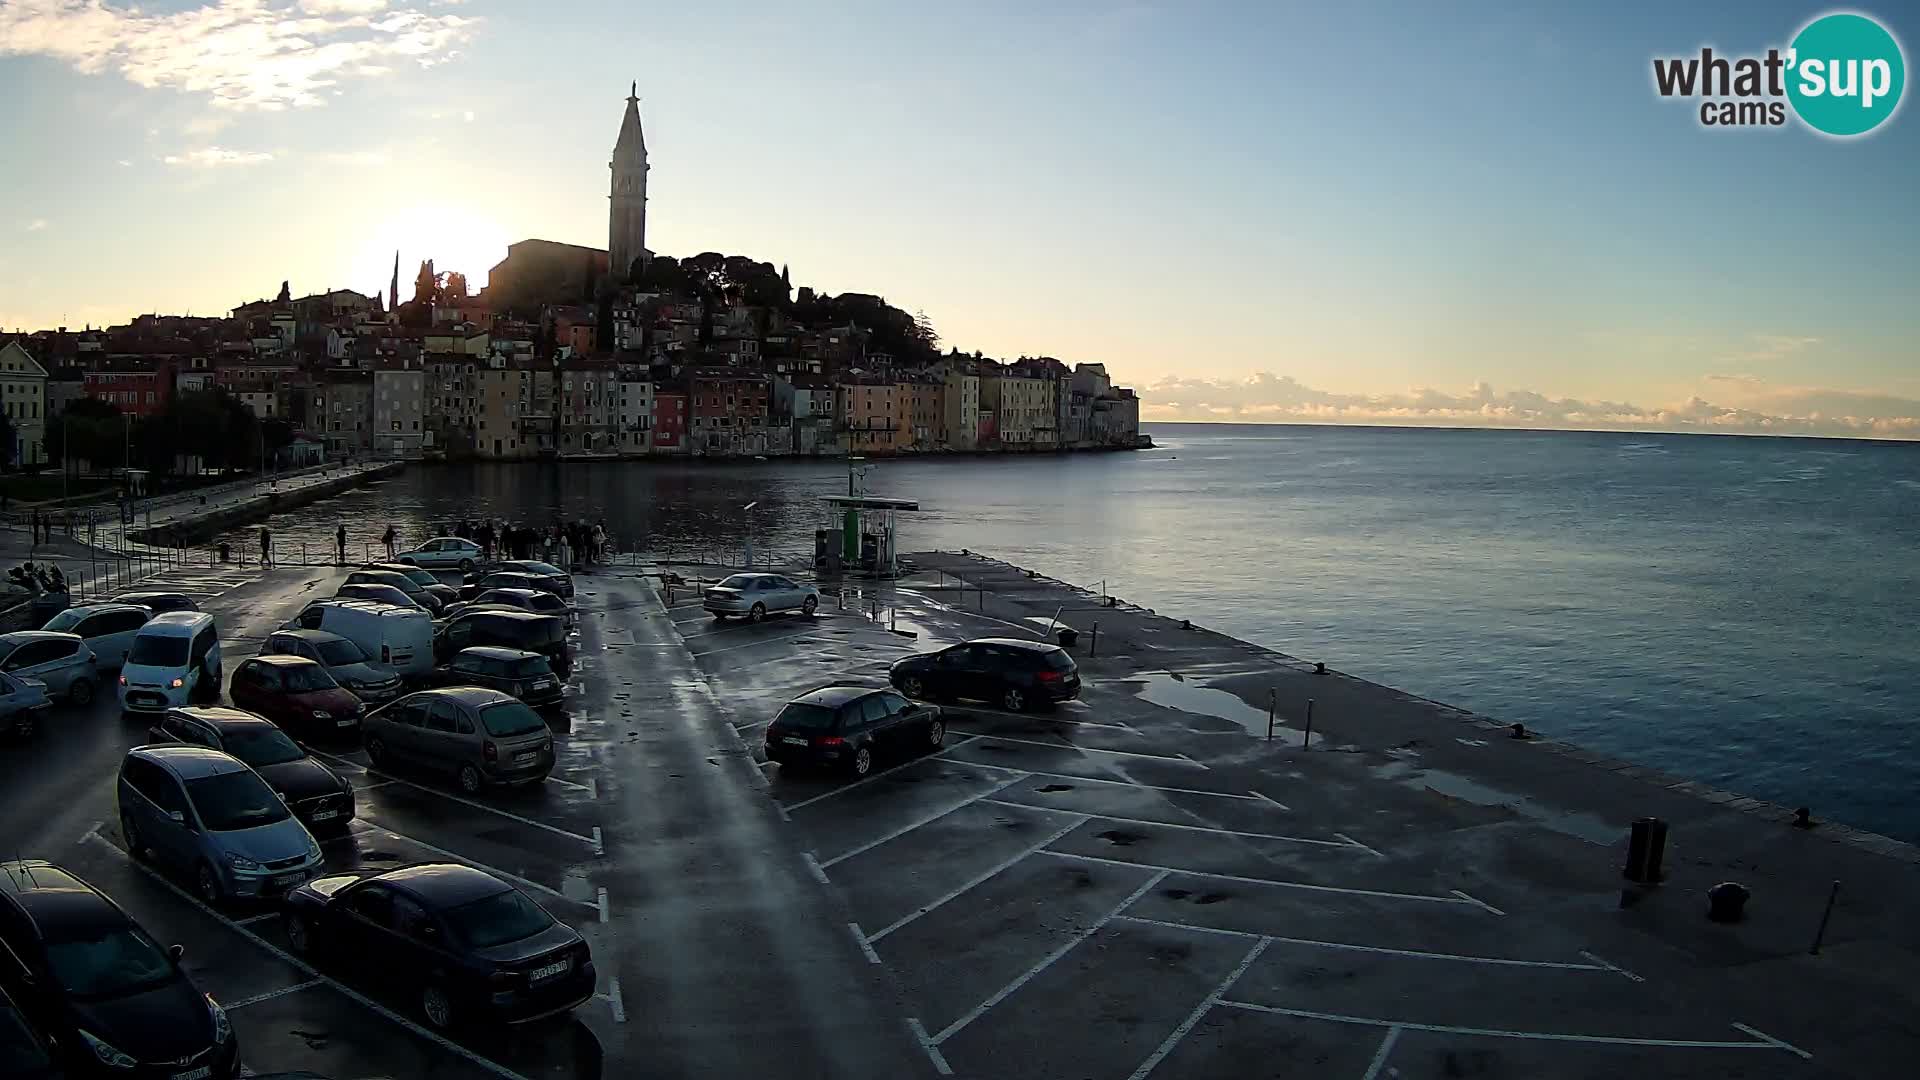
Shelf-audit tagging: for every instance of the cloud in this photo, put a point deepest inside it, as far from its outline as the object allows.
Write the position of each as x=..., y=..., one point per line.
x=124, y=163
x=36, y=225
x=240, y=54
x=1269, y=398
x=214, y=157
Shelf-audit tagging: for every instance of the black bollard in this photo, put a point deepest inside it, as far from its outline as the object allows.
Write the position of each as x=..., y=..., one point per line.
x=1646, y=850
x=1727, y=902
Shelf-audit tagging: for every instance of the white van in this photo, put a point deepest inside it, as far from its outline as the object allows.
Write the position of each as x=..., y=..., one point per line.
x=174, y=661
x=399, y=637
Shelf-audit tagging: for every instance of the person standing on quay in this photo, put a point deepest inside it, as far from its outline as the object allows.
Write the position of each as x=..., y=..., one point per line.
x=340, y=544
x=266, y=546
x=388, y=538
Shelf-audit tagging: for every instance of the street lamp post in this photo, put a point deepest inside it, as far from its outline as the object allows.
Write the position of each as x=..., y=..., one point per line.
x=749, y=511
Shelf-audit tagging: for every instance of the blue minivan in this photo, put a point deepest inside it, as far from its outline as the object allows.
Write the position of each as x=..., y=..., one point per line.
x=203, y=813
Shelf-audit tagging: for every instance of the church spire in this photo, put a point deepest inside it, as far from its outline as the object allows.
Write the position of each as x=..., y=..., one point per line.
x=627, y=212
x=631, y=140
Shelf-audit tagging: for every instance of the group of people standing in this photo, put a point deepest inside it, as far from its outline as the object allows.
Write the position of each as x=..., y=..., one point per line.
x=569, y=544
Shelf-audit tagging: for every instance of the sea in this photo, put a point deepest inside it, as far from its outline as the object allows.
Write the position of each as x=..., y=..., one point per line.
x=1741, y=611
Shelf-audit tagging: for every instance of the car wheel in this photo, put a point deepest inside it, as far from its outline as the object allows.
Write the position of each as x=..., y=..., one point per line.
x=377, y=750
x=131, y=834
x=811, y=603
x=1014, y=698
x=466, y=566
x=81, y=692
x=759, y=612
x=936, y=734
x=299, y=934
x=862, y=763
x=470, y=779
x=913, y=687
x=206, y=884
x=437, y=1004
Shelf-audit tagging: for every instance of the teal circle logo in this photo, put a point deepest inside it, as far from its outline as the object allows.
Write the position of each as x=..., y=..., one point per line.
x=1845, y=74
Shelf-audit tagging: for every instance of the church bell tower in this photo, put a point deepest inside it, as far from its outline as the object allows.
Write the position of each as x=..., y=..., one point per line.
x=627, y=213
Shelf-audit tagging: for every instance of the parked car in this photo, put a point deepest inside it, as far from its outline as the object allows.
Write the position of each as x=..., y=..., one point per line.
x=297, y=694
x=318, y=796
x=1013, y=673
x=443, y=553
x=112, y=1000
x=476, y=948
x=755, y=596
x=849, y=727
x=372, y=683
x=175, y=660
x=552, y=578
x=381, y=593
x=426, y=579
x=509, y=628
x=158, y=602
x=21, y=702
x=415, y=592
x=506, y=579
x=401, y=637
x=538, y=601
x=108, y=629
x=25, y=1051
x=526, y=675
x=204, y=813
x=480, y=736
x=62, y=662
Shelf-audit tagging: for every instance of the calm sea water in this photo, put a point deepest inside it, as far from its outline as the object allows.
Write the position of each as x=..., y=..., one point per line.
x=1742, y=611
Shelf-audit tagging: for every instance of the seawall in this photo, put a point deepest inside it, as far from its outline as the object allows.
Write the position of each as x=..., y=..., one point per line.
x=192, y=526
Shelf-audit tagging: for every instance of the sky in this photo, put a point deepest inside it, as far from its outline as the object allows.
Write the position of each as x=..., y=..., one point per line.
x=1464, y=213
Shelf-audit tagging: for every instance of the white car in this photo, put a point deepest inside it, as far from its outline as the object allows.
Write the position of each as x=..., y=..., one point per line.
x=756, y=596
x=443, y=553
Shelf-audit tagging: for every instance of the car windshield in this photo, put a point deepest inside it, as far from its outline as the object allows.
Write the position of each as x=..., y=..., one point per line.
x=304, y=679
x=546, y=601
x=65, y=621
x=500, y=596
x=235, y=800
x=805, y=717
x=541, y=568
x=1058, y=660
x=399, y=581
x=497, y=919
x=529, y=665
x=419, y=577
x=262, y=746
x=740, y=581
x=510, y=718
x=341, y=651
x=107, y=961
x=158, y=650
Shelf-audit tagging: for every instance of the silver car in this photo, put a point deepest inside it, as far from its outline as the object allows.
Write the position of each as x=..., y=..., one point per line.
x=370, y=682
x=21, y=702
x=755, y=596
x=443, y=553
x=205, y=814
x=62, y=662
x=108, y=629
x=480, y=736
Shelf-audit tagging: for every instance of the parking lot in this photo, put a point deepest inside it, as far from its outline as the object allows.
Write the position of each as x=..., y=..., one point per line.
x=289, y=1013
x=1122, y=889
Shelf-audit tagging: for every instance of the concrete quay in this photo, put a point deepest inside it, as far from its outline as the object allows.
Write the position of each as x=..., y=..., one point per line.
x=1140, y=884
x=185, y=521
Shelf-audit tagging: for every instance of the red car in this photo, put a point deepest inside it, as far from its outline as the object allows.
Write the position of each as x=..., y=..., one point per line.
x=299, y=696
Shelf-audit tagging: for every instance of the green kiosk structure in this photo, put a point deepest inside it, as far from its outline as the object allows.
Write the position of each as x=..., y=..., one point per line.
x=859, y=538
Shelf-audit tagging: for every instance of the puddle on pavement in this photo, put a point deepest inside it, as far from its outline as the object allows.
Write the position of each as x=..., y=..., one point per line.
x=1162, y=689
x=1454, y=786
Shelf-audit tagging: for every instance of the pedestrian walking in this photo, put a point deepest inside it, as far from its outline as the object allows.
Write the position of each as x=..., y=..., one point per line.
x=340, y=544
x=485, y=533
x=598, y=540
x=266, y=546
x=388, y=539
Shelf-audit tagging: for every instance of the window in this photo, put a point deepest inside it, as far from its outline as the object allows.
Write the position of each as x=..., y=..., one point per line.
x=373, y=903
x=442, y=717
x=873, y=710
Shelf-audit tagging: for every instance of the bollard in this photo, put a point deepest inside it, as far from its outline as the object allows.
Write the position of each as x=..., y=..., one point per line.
x=1646, y=848
x=1273, y=702
x=983, y=599
x=1093, y=646
x=1821, y=934
x=1307, y=736
x=893, y=618
x=1727, y=902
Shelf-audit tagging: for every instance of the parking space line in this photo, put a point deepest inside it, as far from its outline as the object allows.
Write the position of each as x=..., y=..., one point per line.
x=1270, y=799
x=813, y=867
x=617, y=1002
x=928, y=820
x=979, y=879
x=1173, y=1039
x=1498, y=961
x=1476, y=903
x=449, y=796
x=1546, y=1036
x=844, y=788
x=1787, y=1046
x=1171, y=825
x=866, y=943
x=600, y=901
x=756, y=642
x=829, y=675
x=270, y=995
x=1182, y=760
x=262, y=917
x=1381, y=1055
x=1103, y=780
x=1047, y=718
x=1270, y=882
x=1008, y=990
x=1350, y=840
x=551, y=779
x=302, y=966
x=475, y=863
x=1610, y=966
x=933, y=1052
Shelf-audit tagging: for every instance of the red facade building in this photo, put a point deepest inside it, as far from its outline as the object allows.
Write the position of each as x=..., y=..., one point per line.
x=669, y=420
x=136, y=391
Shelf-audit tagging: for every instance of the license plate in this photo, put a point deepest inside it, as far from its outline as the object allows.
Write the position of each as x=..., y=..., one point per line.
x=794, y=741
x=200, y=1073
x=527, y=755
x=289, y=879
x=345, y=723
x=325, y=815
x=542, y=684
x=558, y=967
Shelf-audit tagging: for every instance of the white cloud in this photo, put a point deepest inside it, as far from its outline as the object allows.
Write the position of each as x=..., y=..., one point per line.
x=125, y=164
x=1269, y=398
x=36, y=225
x=240, y=54
x=214, y=157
